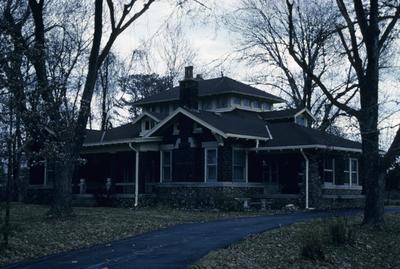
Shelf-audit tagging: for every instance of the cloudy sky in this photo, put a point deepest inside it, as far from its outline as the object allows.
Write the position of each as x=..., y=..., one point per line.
x=211, y=41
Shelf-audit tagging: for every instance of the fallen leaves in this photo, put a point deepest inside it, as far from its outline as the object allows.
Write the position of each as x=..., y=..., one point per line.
x=38, y=235
x=280, y=249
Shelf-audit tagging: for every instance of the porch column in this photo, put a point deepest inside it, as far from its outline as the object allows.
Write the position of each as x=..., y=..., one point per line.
x=136, y=150
x=307, y=176
x=136, y=178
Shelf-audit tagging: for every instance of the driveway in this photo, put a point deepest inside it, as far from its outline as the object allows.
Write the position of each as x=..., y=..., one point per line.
x=174, y=247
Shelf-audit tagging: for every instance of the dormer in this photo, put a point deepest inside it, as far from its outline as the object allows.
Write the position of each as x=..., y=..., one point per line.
x=304, y=118
x=216, y=94
x=229, y=102
x=147, y=121
x=300, y=116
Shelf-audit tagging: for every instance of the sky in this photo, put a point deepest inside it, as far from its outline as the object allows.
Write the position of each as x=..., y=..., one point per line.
x=211, y=41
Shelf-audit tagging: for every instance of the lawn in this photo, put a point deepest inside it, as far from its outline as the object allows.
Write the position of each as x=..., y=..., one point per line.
x=36, y=235
x=281, y=248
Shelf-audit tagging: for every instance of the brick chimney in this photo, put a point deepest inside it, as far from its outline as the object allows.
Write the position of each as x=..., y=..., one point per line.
x=188, y=90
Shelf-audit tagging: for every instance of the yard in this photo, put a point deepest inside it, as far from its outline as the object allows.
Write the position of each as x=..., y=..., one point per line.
x=282, y=248
x=35, y=235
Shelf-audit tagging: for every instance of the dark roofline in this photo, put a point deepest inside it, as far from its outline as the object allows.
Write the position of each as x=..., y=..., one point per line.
x=271, y=97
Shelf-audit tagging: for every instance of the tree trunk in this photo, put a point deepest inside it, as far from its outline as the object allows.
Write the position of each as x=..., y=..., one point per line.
x=373, y=184
x=62, y=198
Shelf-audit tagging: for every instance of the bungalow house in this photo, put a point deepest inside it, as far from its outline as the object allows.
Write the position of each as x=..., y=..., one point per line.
x=213, y=138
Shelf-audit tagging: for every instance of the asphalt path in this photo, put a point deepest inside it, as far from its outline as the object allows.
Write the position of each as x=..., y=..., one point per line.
x=174, y=247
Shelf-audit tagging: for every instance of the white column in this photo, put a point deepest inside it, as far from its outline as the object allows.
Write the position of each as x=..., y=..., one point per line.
x=137, y=179
x=307, y=175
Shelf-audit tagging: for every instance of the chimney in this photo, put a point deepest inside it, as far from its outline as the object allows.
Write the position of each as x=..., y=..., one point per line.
x=188, y=72
x=188, y=90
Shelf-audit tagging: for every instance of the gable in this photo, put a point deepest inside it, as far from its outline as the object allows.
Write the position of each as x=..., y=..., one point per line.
x=244, y=126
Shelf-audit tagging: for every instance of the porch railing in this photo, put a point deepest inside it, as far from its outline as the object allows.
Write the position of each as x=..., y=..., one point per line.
x=107, y=186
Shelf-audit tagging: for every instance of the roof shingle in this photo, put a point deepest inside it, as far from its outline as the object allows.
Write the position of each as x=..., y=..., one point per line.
x=213, y=86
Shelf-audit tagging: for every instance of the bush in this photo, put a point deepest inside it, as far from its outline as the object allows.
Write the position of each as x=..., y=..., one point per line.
x=341, y=232
x=313, y=248
x=312, y=243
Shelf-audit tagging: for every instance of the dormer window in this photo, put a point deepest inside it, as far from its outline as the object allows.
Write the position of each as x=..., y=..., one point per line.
x=301, y=120
x=246, y=102
x=148, y=124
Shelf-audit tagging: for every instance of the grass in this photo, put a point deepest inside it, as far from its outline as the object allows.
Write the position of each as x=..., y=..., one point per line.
x=282, y=248
x=36, y=235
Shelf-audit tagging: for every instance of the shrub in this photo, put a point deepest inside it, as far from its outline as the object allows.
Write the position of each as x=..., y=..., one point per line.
x=341, y=232
x=312, y=244
x=313, y=249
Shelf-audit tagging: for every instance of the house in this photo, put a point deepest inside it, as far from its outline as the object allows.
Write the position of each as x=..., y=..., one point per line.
x=213, y=138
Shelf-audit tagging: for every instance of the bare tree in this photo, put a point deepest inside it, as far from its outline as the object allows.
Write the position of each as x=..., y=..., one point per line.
x=175, y=51
x=366, y=31
x=264, y=34
x=106, y=88
x=58, y=127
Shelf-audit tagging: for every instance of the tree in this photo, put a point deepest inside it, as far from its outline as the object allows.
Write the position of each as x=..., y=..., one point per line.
x=138, y=86
x=366, y=31
x=163, y=60
x=106, y=88
x=50, y=121
x=264, y=34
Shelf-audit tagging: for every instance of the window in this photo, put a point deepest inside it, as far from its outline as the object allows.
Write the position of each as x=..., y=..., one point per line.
x=351, y=171
x=175, y=130
x=329, y=170
x=246, y=102
x=211, y=164
x=222, y=102
x=354, y=171
x=147, y=124
x=265, y=106
x=236, y=100
x=164, y=109
x=207, y=104
x=256, y=104
x=166, y=164
x=197, y=128
x=301, y=120
x=239, y=165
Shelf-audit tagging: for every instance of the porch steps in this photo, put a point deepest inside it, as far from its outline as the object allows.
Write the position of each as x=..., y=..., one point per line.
x=83, y=200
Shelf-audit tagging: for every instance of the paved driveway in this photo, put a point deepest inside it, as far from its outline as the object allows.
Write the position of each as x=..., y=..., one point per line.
x=174, y=247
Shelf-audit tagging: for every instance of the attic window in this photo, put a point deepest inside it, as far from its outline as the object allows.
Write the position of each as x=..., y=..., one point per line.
x=148, y=124
x=176, y=128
